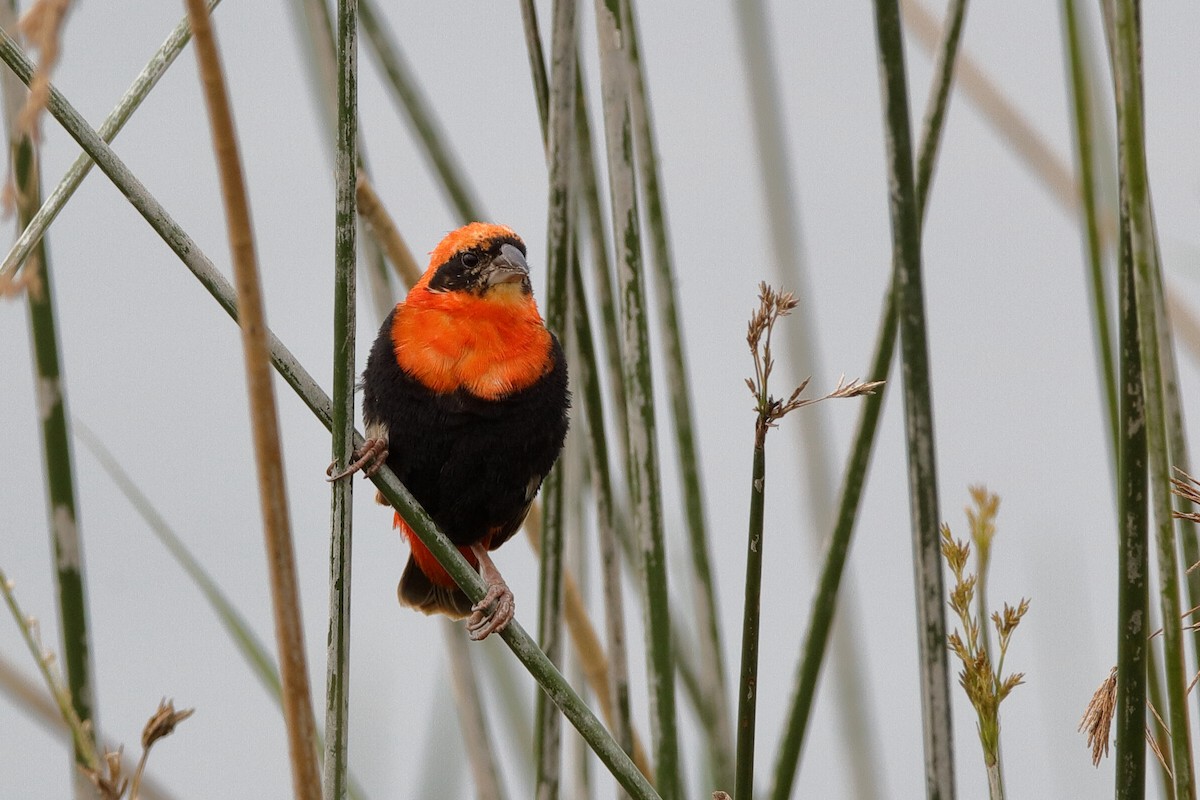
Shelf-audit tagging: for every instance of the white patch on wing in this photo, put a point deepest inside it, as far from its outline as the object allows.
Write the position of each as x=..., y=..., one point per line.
x=534, y=483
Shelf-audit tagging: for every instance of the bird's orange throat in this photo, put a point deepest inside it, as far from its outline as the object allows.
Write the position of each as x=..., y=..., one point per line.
x=491, y=345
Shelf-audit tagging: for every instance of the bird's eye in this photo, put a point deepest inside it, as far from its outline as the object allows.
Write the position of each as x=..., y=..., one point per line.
x=470, y=259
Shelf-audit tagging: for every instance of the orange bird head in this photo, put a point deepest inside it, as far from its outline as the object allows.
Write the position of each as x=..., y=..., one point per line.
x=477, y=259
x=471, y=322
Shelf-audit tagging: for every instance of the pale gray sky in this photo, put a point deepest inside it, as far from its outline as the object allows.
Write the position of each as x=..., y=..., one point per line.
x=155, y=368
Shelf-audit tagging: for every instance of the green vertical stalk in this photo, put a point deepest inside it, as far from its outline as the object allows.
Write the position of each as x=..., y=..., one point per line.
x=1126, y=50
x=813, y=449
x=918, y=408
x=130, y=101
x=321, y=59
x=587, y=378
x=601, y=263
x=337, y=668
x=711, y=656
x=560, y=159
x=57, y=457
x=409, y=99
x=1085, y=163
x=642, y=456
x=748, y=689
x=1133, y=566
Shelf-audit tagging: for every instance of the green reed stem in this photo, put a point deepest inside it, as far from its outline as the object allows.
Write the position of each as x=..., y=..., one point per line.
x=918, y=407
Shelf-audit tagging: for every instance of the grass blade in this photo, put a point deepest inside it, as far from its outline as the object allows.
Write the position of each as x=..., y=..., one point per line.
x=906, y=242
x=337, y=671
x=642, y=457
x=281, y=560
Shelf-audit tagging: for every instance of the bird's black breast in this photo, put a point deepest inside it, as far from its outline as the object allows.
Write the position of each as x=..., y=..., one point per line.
x=472, y=463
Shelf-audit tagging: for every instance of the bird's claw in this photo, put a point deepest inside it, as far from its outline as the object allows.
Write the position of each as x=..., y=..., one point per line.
x=491, y=614
x=369, y=458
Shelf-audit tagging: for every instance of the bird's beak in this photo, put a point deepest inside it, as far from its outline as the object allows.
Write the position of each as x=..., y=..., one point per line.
x=508, y=267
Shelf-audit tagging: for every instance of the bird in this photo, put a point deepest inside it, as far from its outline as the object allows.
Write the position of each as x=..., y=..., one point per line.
x=465, y=397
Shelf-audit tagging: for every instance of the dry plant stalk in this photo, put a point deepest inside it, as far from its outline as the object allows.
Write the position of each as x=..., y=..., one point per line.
x=381, y=226
x=281, y=559
x=42, y=26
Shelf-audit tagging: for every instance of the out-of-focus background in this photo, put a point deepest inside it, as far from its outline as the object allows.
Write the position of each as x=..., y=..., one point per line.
x=154, y=367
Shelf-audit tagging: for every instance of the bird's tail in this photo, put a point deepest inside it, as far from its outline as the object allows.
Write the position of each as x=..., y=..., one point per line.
x=417, y=591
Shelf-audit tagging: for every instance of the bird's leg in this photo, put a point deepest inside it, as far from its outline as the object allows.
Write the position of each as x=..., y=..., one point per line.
x=493, y=613
x=369, y=458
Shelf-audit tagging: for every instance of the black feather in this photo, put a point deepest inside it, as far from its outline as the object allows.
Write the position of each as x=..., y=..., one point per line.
x=468, y=461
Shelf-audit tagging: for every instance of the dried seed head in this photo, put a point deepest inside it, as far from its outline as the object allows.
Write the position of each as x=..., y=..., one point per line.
x=1097, y=719
x=163, y=722
x=111, y=786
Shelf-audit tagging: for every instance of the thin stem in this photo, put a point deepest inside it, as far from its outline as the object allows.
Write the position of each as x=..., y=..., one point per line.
x=57, y=456
x=264, y=422
x=82, y=735
x=1127, y=82
x=560, y=159
x=710, y=657
x=922, y=471
x=1133, y=570
x=1081, y=119
x=748, y=686
x=337, y=670
x=642, y=456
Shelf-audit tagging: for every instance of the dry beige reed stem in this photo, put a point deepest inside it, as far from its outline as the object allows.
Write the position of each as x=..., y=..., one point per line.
x=281, y=561
x=42, y=27
x=381, y=226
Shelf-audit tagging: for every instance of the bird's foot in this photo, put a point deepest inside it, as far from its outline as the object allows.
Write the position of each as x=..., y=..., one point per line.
x=491, y=614
x=369, y=458
x=496, y=609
